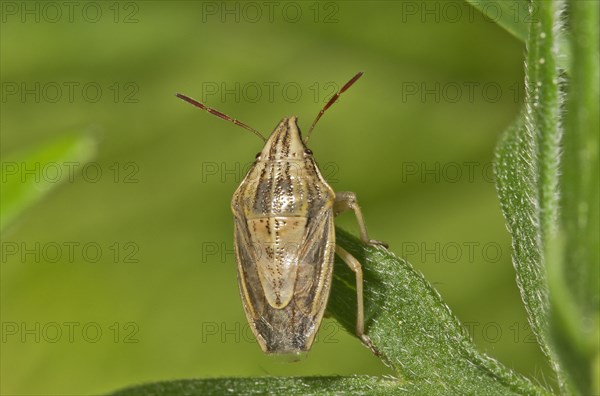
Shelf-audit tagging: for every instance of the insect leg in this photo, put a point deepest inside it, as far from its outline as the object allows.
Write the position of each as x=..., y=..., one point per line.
x=355, y=266
x=346, y=200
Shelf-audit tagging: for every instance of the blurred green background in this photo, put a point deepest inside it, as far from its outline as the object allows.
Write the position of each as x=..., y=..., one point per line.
x=414, y=138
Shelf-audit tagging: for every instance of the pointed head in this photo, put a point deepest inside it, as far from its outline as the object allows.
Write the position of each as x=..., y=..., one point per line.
x=285, y=142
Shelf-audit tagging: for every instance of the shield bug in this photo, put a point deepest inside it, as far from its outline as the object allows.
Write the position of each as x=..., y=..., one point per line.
x=284, y=237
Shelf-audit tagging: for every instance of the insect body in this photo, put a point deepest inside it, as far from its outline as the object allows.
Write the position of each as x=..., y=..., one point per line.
x=285, y=238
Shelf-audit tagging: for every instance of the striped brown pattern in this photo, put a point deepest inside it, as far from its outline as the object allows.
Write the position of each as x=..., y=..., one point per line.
x=284, y=242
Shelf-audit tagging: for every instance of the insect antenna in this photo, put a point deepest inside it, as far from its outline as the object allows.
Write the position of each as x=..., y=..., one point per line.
x=332, y=101
x=220, y=115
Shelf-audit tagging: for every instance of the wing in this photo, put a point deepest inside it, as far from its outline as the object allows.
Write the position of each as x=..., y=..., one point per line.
x=253, y=298
x=287, y=324
x=284, y=245
x=315, y=266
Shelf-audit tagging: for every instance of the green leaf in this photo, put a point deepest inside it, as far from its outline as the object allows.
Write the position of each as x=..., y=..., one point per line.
x=556, y=253
x=28, y=176
x=527, y=169
x=412, y=330
x=527, y=163
x=516, y=183
x=356, y=385
x=512, y=15
x=573, y=268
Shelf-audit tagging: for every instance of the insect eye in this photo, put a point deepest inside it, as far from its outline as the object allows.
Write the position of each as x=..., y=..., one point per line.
x=257, y=155
x=308, y=152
